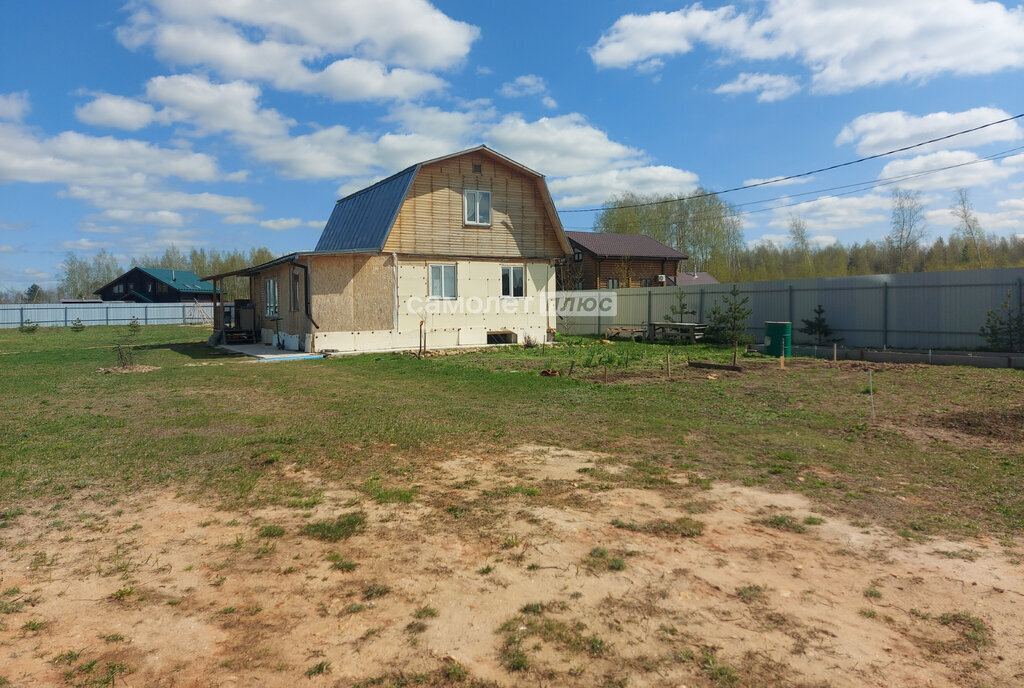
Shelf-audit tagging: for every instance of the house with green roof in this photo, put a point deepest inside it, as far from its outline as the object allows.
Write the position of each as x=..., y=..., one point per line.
x=157, y=285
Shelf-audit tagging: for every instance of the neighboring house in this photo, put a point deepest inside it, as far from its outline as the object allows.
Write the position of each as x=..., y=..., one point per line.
x=694, y=279
x=602, y=260
x=460, y=250
x=156, y=285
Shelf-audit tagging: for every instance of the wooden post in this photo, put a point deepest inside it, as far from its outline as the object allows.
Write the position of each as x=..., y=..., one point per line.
x=782, y=362
x=834, y=352
x=668, y=366
x=572, y=364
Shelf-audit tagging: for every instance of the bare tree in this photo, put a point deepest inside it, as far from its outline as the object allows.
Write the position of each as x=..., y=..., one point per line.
x=969, y=227
x=801, y=245
x=908, y=227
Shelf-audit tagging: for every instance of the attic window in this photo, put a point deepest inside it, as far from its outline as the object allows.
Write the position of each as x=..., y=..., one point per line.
x=478, y=168
x=577, y=256
x=478, y=207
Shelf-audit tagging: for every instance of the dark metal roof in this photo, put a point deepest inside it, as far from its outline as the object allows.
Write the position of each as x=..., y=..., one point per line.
x=685, y=279
x=608, y=245
x=185, y=281
x=362, y=221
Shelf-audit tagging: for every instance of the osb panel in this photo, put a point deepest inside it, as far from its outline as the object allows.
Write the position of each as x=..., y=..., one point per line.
x=373, y=306
x=332, y=298
x=431, y=218
x=353, y=293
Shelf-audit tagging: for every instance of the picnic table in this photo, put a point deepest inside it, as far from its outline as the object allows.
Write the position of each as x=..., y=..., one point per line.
x=691, y=331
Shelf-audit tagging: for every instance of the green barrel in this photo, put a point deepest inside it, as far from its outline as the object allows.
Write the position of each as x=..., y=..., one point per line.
x=778, y=338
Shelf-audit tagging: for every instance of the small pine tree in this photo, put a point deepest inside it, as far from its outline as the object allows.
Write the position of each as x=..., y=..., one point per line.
x=1004, y=329
x=679, y=310
x=818, y=326
x=77, y=325
x=729, y=326
x=125, y=345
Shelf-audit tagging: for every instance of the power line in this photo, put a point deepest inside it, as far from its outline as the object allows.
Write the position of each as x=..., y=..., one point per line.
x=856, y=186
x=776, y=180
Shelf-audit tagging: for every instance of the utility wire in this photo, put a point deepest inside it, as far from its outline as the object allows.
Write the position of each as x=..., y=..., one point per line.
x=776, y=180
x=856, y=186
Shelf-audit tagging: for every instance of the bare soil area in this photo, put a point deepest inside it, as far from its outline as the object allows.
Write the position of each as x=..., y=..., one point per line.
x=519, y=570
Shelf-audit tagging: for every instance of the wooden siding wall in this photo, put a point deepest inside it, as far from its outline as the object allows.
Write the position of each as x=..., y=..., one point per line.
x=430, y=221
x=353, y=293
x=293, y=322
x=595, y=272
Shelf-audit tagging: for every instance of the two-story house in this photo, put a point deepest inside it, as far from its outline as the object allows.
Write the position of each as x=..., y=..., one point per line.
x=458, y=251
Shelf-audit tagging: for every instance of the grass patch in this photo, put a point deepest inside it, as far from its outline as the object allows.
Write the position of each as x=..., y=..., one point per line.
x=973, y=631
x=425, y=612
x=271, y=531
x=383, y=495
x=341, y=528
x=374, y=591
x=340, y=563
x=682, y=527
x=782, y=522
x=318, y=669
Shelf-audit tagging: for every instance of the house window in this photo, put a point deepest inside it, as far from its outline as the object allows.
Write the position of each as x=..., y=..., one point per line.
x=293, y=292
x=613, y=282
x=577, y=256
x=442, y=282
x=645, y=282
x=579, y=283
x=478, y=207
x=161, y=288
x=118, y=288
x=270, y=298
x=512, y=284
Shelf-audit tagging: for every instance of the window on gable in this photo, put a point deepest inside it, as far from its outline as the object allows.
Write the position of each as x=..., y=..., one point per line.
x=577, y=256
x=443, y=282
x=512, y=284
x=477, y=207
x=293, y=291
x=270, y=298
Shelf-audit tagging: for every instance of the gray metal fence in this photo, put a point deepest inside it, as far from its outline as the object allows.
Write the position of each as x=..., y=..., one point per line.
x=931, y=310
x=114, y=313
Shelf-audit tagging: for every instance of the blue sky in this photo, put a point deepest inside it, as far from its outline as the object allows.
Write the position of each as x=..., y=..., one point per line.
x=230, y=124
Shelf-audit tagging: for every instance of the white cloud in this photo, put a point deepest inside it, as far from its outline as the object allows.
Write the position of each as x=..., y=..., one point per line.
x=834, y=213
x=549, y=102
x=777, y=181
x=597, y=188
x=346, y=50
x=14, y=106
x=879, y=132
x=560, y=146
x=213, y=108
x=84, y=244
x=116, y=111
x=525, y=85
x=281, y=223
x=147, y=198
x=7, y=248
x=72, y=157
x=33, y=274
x=843, y=46
x=316, y=224
x=967, y=170
x=768, y=87
x=166, y=218
x=239, y=220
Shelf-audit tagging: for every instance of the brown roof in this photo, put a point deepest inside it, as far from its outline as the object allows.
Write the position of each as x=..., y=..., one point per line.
x=608, y=245
x=685, y=279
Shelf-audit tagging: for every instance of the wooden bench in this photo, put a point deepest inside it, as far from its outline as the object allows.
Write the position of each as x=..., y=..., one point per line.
x=669, y=330
x=633, y=333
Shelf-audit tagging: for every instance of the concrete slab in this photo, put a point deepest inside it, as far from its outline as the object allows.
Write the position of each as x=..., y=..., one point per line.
x=267, y=353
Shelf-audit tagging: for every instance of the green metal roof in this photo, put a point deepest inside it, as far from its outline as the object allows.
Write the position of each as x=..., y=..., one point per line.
x=184, y=281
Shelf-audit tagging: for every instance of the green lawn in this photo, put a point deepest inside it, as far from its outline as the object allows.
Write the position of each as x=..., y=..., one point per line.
x=944, y=455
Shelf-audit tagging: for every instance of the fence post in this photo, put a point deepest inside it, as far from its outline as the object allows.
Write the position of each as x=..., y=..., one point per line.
x=790, y=303
x=145, y=315
x=65, y=316
x=107, y=314
x=21, y=317
x=650, y=297
x=183, y=315
x=885, y=315
x=700, y=306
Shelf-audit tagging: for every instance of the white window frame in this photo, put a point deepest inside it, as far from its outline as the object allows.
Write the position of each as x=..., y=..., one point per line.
x=511, y=270
x=270, y=302
x=471, y=201
x=440, y=292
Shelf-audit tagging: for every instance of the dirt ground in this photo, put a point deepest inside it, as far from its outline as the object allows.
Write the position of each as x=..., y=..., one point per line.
x=480, y=579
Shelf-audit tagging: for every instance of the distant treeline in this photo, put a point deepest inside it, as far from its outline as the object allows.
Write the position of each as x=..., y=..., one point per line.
x=81, y=277
x=710, y=231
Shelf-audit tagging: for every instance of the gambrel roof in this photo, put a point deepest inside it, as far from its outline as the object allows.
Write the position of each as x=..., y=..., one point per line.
x=361, y=222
